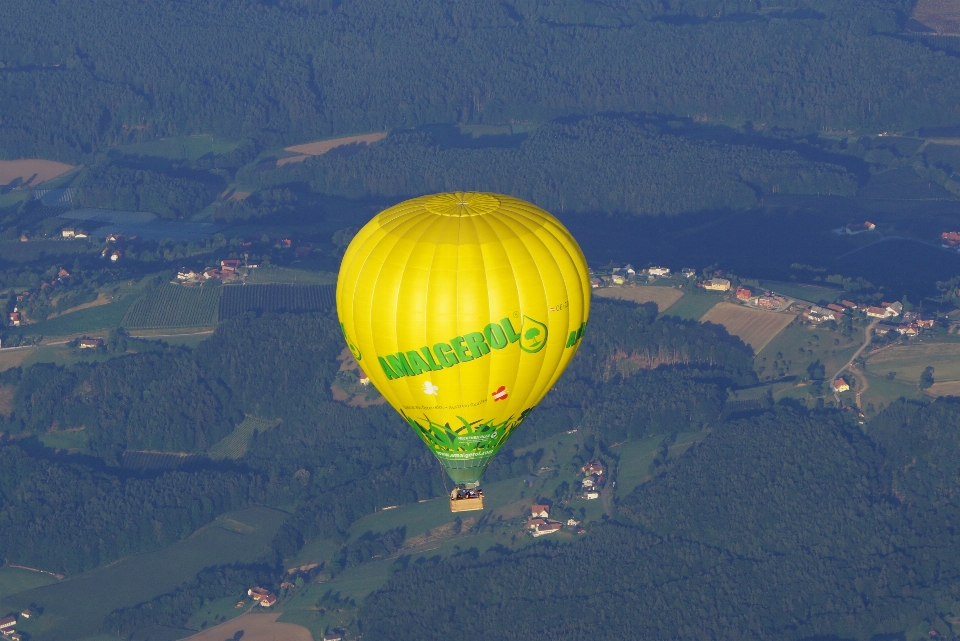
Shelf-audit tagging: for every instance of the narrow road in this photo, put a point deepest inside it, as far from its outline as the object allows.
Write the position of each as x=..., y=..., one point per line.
x=867, y=338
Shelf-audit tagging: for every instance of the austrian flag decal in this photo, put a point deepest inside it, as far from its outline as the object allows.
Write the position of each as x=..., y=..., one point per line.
x=500, y=394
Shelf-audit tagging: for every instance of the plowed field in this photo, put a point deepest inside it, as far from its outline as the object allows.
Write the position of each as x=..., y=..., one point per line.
x=32, y=171
x=664, y=297
x=255, y=627
x=755, y=327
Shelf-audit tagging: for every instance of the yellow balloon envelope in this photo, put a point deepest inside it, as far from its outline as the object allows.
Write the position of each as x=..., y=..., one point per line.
x=463, y=309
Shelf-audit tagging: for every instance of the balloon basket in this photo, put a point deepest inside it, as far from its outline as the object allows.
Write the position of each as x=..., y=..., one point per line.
x=466, y=505
x=466, y=498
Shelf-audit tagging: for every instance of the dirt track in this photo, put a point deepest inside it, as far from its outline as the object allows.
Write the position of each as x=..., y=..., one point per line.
x=321, y=147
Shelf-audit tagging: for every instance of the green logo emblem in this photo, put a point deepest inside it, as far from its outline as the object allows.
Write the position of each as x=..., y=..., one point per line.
x=353, y=348
x=533, y=335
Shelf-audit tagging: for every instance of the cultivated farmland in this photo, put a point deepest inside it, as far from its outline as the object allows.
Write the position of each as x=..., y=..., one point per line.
x=172, y=306
x=31, y=171
x=755, y=327
x=663, y=297
x=287, y=276
x=323, y=146
x=240, y=299
x=255, y=627
x=234, y=445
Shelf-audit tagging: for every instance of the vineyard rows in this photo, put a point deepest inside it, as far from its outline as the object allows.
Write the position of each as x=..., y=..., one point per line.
x=237, y=300
x=135, y=460
x=172, y=306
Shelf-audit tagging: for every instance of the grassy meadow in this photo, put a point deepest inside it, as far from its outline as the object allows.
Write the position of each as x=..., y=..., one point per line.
x=74, y=608
x=234, y=445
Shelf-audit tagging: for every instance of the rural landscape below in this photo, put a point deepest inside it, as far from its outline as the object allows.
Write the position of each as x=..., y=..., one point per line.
x=739, y=418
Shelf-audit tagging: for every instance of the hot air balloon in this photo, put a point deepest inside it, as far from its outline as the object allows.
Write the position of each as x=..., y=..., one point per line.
x=463, y=309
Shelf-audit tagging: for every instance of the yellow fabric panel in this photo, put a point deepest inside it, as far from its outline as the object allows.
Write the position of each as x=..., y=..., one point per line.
x=463, y=309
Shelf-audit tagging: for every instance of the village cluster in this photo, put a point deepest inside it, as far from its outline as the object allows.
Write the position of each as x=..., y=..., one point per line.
x=8, y=625
x=15, y=317
x=540, y=522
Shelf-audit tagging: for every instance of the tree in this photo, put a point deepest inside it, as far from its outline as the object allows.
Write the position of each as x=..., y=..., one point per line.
x=926, y=378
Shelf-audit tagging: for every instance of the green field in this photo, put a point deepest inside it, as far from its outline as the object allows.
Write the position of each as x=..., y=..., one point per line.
x=636, y=456
x=287, y=276
x=18, y=252
x=811, y=293
x=75, y=608
x=174, y=306
x=885, y=391
x=694, y=304
x=234, y=445
x=14, y=580
x=181, y=147
x=817, y=343
x=72, y=440
x=86, y=320
x=909, y=360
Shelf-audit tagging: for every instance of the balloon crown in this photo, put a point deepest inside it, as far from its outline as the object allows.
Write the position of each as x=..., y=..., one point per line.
x=462, y=203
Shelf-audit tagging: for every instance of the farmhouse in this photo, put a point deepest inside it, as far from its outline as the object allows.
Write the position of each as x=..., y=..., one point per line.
x=594, y=283
x=593, y=467
x=818, y=314
x=883, y=312
x=687, y=272
x=617, y=279
x=115, y=238
x=717, y=284
x=588, y=482
x=849, y=304
x=231, y=262
x=547, y=528
x=116, y=255
x=885, y=328
x=910, y=329
x=840, y=385
x=24, y=238
x=893, y=309
x=265, y=597
x=659, y=271
x=858, y=228
x=91, y=343
x=835, y=308
x=14, y=318
x=591, y=495
x=533, y=524
x=68, y=233
x=743, y=293
x=7, y=623
x=540, y=510
x=950, y=238
x=925, y=323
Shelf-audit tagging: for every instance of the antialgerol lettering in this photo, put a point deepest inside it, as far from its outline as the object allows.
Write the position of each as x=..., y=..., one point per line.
x=460, y=349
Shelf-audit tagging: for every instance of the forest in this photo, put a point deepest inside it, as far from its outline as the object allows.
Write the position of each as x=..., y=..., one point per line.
x=783, y=522
x=289, y=71
x=597, y=164
x=789, y=525
x=334, y=463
